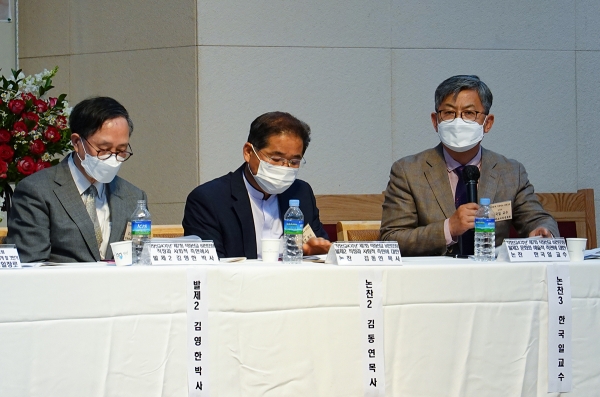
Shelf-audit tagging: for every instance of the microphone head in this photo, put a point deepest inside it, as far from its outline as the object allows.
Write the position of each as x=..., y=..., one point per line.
x=471, y=173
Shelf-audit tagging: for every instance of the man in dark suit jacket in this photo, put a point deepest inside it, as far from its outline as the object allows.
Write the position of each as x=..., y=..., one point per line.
x=239, y=209
x=422, y=210
x=49, y=220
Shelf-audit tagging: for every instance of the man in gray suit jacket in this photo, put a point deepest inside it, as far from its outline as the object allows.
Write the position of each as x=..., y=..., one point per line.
x=73, y=211
x=424, y=208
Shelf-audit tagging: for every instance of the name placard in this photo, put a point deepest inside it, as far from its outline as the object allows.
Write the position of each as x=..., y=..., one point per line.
x=370, y=290
x=9, y=257
x=197, y=332
x=183, y=253
x=537, y=250
x=364, y=253
x=560, y=370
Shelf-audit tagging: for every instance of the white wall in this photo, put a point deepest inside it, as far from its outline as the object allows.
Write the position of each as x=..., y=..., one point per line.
x=363, y=75
x=8, y=45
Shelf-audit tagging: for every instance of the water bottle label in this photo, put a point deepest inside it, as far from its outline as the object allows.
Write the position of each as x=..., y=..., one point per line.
x=293, y=226
x=485, y=225
x=141, y=228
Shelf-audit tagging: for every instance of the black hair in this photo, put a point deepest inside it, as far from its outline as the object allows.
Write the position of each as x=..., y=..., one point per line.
x=89, y=115
x=275, y=123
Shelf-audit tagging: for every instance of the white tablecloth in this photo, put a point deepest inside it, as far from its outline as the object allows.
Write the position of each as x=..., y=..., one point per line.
x=452, y=328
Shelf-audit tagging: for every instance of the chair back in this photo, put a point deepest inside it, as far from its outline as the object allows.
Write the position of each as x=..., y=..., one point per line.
x=167, y=231
x=573, y=207
x=358, y=230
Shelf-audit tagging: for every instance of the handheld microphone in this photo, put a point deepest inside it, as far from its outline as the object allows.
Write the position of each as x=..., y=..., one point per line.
x=471, y=176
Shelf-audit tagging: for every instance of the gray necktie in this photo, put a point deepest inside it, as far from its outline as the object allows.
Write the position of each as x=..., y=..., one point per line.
x=90, y=205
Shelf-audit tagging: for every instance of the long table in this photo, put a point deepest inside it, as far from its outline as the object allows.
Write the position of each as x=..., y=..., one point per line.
x=452, y=328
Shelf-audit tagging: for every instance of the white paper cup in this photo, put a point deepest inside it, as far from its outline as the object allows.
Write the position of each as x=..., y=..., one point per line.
x=270, y=249
x=122, y=252
x=575, y=246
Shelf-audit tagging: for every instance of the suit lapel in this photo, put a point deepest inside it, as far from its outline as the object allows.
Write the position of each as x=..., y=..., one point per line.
x=488, y=183
x=437, y=177
x=66, y=192
x=243, y=210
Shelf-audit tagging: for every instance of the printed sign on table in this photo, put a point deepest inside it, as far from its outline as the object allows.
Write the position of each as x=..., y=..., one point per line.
x=183, y=253
x=364, y=253
x=535, y=250
x=9, y=257
x=370, y=289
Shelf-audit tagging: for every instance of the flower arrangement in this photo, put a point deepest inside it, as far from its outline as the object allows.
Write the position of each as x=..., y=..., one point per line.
x=34, y=131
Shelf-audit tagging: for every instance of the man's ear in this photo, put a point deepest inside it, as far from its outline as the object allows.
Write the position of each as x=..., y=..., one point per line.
x=434, y=121
x=487, y=125
x=247, y=151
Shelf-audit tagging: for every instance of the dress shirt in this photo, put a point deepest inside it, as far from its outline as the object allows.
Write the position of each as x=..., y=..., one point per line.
x=451, y=165
x=102, y=209
x=265, y=213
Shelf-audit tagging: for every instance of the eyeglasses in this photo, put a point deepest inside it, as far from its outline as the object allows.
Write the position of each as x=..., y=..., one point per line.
x=469, y=116
x=276, y=160
x=105, y=154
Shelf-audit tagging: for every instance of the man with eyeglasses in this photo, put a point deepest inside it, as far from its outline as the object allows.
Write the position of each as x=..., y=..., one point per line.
x=238, y=210
x=426, y=208
x=73, y=211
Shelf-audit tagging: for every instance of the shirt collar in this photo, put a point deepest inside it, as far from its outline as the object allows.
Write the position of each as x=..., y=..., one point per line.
x=255, y=193
x=453, y=164
x=81, y=181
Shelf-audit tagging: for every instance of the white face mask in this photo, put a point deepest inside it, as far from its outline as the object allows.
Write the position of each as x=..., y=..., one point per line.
x=459, y=135
x=273, y=179
x=104, y=171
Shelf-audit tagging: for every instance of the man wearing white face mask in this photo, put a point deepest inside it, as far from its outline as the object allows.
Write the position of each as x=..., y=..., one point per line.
x=238, y=210
x=73, y=211
x=425, y=207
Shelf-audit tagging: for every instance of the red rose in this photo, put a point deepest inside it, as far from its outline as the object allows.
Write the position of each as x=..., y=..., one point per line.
x=52, y=135
x=3, y=168
x=20, y=126
x=40, y=165
x=61, y=122
x=34, y=118
x=40, y=106
x=16, y=106
x=52, y=102
x=28, y=97
x=5, y=136
x=26, y=165
x=6, y=152
x=37, y=147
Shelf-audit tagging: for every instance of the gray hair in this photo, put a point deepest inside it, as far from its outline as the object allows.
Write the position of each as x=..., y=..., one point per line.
x=455, y=84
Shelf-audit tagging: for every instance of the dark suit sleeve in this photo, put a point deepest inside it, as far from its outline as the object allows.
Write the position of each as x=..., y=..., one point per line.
x=29, y=223
x=528, y=213
x=315, y=221
x=400, y=217
x=200, y=219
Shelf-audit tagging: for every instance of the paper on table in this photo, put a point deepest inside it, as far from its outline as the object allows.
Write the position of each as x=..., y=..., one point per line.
x=591, y=254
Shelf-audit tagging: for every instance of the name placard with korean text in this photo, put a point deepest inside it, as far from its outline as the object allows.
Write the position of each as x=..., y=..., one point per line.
x=183, y=253
x=9, y=257
x=364, y=253
x=560, y=373
x=197, y=327
x=537, y=249
x=370, y=289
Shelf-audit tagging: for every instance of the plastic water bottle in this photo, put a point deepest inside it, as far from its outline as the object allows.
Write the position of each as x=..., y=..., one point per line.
x=293, y=224
x=141, y=230
x=485, y=232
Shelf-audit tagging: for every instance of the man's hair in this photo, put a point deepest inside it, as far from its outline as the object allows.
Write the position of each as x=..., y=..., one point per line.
x=275, y=123
x=89, y=115
x=455, y=84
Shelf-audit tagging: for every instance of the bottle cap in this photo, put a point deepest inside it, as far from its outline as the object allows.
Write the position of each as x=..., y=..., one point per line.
x=484, y=201
x=294, y=203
